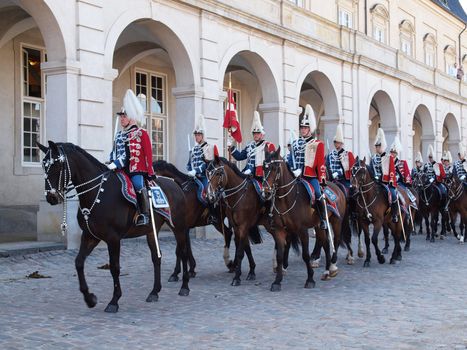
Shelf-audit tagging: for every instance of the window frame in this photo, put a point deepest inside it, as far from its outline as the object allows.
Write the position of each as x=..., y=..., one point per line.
x=380, y=23
x=149, y=114
x=429, y=47
x=341, y=12
x=29, y=99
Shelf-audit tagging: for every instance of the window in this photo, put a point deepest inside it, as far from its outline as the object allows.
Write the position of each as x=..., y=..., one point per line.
x=406, y=47
x=450, y=60
x=379, y=34
x=407, y=33
x=380, y=23
x=345, y=18
x=155, y=108
x=429, y=43
x=32, y=104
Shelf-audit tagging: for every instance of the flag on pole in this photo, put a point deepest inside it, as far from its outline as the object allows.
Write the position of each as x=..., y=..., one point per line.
x=230, y=118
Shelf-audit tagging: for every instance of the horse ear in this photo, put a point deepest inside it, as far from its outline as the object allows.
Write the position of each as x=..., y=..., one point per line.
x=42, y=147
x=278, y=151
x=53, y=147
x=364, y=160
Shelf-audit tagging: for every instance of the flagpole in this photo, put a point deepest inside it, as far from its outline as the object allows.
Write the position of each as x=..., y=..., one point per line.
x=229, y=93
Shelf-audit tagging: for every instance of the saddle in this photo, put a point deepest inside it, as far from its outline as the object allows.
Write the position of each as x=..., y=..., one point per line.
x=329, y=194
x=160, y=202
x=201, y=192
x=258, y=187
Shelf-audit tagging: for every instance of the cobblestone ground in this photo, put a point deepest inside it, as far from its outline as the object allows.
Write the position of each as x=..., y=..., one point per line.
x=417, y=304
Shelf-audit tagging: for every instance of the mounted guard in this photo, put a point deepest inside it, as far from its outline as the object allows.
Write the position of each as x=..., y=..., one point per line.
x=460, y=165
x=132, y=152
x=402, y=168
x=199, y=155
x=306, y=159
x=446, y=159
x=435, y=172
x=339, y=162
x=418, y=168
x=384, y=170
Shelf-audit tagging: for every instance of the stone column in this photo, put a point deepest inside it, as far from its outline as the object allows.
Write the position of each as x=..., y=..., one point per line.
x=329, y=124
x=273, y=123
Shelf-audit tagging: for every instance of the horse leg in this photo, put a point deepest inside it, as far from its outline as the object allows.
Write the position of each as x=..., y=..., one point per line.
x=407, y=239
x=113, y=247
x=337, y=231
x=239, y=254
x=88, y=243
x=285, y=262
x=309, y=283
x=323, y=241
x=386, y=239
x=374, y=240
x=182, y=253
x=366, y=234
x=190, y=257
x=227, y=240
x=316, y=253
x=280, y=239
x=427, y=225
x=174, y=276
x=396, y=253
x=434, y=226
x=156, y=262
x=251, y=274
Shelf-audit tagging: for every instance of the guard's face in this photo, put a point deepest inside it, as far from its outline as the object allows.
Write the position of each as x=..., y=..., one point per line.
x=124, y=120
x=445, y=162
x=199, y=138
x=418, y=164
x=305, y=131
x=430, y=158
x=378, y=149
x=257, y=136
x=338, y=145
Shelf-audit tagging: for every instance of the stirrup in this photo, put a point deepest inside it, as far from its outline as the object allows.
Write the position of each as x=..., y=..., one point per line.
x=395, y=219
x=142, y=220
x=323, y=225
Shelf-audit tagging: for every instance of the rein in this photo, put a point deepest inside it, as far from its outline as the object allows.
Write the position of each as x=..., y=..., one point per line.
x=225, y=193
x=362, y=193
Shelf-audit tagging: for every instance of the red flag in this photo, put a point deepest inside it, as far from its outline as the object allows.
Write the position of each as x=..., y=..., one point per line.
x=230, y=118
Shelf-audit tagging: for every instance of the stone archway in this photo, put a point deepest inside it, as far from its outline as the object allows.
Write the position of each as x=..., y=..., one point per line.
x=318, y=91
x=451, y=135
x=422, y=131
x=153, y=61
x=382, y=114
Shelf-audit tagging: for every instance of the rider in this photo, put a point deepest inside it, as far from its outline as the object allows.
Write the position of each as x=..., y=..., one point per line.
x=418, y=165
x=339, y=162
x=447, y=162
x=460, y=165
x=254, y=151
x=201, y=153
x=132, y=152
x=402, y=168
x=385, y=171
x=435, y=172
x=307, y=159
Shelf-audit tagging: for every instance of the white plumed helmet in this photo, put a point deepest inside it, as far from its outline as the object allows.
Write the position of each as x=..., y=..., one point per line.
x=419, y=158
x=200, y=125
x=339, y=134
x=381, y=139
x=132, y=108
x=396, y=146
x=256, y=126
x=431, y=152
x=309, y=118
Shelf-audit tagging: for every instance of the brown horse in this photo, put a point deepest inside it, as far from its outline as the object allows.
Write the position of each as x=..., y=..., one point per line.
x=197, y=216
x=243, y=207
x=457, y=199
x=291, y=211
x=104, y=215
x=373, y=208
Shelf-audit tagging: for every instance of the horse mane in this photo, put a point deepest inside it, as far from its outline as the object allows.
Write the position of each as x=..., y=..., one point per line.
x=169, y=167
x=234, y=168
x=70, y=147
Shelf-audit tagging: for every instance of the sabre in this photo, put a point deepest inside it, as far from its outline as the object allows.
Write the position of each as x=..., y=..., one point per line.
x=400, y=218
x=114, y=153
x=154, y=226
x=331, y=237
x=292, y=139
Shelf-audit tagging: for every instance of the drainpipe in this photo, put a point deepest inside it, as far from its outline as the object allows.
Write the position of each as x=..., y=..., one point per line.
x=460, y=44
x=366, y=17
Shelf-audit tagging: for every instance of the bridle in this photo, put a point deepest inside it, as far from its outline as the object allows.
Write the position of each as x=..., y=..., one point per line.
x=454, y=193
x=66, y=186
x=362, y=189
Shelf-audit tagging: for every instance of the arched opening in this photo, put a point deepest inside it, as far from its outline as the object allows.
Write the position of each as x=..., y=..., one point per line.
x=254, y=89
x=382, y=114
x=422, y=131
x=317, y=91
x=153, y=62
x=451, y=134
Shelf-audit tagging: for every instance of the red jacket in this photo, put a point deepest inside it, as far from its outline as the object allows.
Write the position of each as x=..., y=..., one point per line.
x=317, y=166
x=140, y=152
x=389, y=170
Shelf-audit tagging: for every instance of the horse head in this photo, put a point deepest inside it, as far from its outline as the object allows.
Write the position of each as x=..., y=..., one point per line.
x=55, y=173
x=217, y=179
x=272, y=172
x=360, y=174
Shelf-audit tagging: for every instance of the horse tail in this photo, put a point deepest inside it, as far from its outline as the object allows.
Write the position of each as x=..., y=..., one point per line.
x=295, y=243
x=346, y=230
x=255, y=235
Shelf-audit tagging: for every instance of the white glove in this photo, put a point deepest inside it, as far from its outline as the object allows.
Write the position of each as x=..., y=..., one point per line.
x=111, y=166
x=229, y=141
x=335, y=175
x=247, y=172
x=462, y=177
x=297, y=172
x=431, y=180
x=192, y=173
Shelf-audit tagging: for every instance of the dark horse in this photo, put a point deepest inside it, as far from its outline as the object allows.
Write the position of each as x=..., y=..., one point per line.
x=291, y=213
x=373, y=208
x=197, y=215
x=104, y=214
x=457, y=199
x=431, y=204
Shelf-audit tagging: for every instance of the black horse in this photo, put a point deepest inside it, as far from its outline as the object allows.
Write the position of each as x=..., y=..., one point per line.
x=104, y=214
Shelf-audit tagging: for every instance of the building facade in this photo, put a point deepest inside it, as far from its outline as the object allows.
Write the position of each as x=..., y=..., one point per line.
x=65, y=65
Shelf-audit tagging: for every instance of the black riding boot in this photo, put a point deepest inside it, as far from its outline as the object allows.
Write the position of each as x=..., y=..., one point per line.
x=395, y=212
x=143, y=205
x=322, y=212
x=212, y=218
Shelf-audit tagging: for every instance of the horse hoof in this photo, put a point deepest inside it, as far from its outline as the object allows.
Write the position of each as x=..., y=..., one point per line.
x=432, y=240
x=333, y=273
x=153, y=297
x=366, y=264
x=251, y=276
x=235, y=282
x=91, y=300
x=407, y=248
x=384, y=250
x=310, y=284
x=192, y=274
x=325, y=277
x=275, y=287
x=111, y=308
x=184, y=292
x=392, y=261
x=381, y=259
x=173, y=278
x=350, y=261
x=427, y=238
x=315, y=263
x=399, y=258
x=360, y=255
x=441, y=237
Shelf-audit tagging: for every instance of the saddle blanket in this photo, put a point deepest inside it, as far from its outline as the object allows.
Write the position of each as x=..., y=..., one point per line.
x=128, y=191
x=159, y=199
x=329, y=194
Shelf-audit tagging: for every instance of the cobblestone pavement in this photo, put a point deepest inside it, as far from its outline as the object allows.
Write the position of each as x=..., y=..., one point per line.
x=417, y=304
